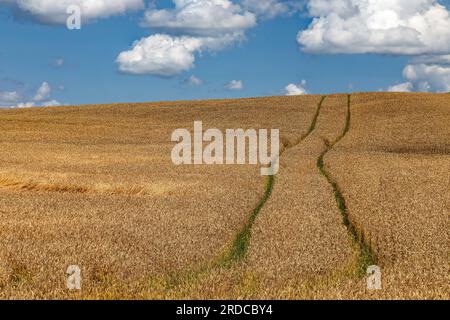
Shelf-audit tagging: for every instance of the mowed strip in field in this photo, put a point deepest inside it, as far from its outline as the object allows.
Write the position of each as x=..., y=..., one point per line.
x=393, y=168
x=94, y=186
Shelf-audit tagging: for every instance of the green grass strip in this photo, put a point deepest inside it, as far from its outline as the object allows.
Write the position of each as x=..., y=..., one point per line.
x=316, y=116
x=241, y=243
x=366, y=256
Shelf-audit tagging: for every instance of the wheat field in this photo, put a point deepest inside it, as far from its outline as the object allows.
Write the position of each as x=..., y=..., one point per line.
x=364, y=179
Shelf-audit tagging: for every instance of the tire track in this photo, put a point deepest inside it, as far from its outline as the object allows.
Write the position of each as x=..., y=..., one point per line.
x=240, y=245
x=239, y=248
x=366, y=255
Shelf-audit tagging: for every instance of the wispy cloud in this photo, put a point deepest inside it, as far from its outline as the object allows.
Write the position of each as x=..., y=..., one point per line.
x=235, y=85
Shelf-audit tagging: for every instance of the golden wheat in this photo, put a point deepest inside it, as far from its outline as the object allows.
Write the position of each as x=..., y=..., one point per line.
x=393, y=168
x=95, y=186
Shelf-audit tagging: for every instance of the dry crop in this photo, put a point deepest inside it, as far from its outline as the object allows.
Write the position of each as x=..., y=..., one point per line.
x=94, y=186
x=359, y=183
x=393, y=168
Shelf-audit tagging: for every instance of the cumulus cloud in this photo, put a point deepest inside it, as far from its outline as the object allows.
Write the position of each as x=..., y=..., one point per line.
x=165, y=55
x=23, y=105
x=235, y=85
x=426, y=74
x=428, y=77
x=41, y=98
x=51, y=103
x=432, y=59
x=295, y=89
x=30, y=104
x=201, y=18
x=401, y=87
x=194, y=81
x=160, y=54
x=9, y=97
x=419, y=28
x=405, y=27
x=188, y=29
x=55, y=11
x=59, y=62
x=183, y=31
x=43, y=92
x=271, y=8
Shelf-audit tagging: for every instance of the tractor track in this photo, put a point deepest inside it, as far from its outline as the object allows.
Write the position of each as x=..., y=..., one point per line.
x=239, y=248
x=366, y=255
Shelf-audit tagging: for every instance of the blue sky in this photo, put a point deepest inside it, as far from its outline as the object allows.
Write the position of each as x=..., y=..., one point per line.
x=266, y=61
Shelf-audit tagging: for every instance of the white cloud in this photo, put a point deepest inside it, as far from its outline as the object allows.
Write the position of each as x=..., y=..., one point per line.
x=43, y=92
x=183, y=32
x=201, y=18
x=31, y=104
x=9, y=97
x=432, y=59
x=51, y=103
x=402, y=27
x=160, y=55
x=235, y=85
x=405, y=27
x=426, y=74
x=269, y=8
x=54, y=11
x=41, y=98
x=23, y=105
x=59, y=62
x=401, y=87
x=188, y=29
x=295, y=89
x=428, y=77
x=194, y=81
x=165, y=55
